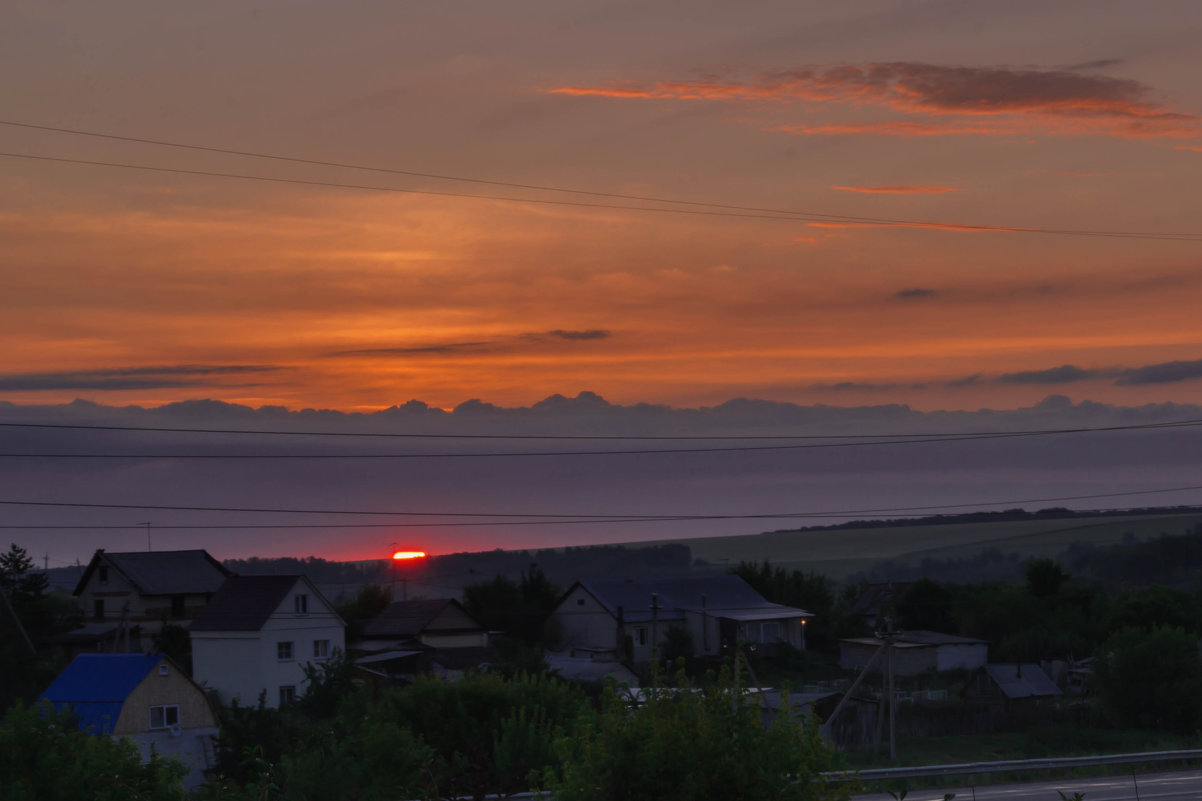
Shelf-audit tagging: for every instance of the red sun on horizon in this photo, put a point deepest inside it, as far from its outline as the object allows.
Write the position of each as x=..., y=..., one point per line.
x=409, y=555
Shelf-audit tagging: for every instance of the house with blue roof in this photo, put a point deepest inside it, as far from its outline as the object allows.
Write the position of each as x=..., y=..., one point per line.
x=147, y=699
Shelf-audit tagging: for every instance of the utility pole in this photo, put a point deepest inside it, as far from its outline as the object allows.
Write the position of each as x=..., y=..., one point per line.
x=828, y=727
x=147, y=524
x=888, y=636
x=654, y=625
x=12, y=613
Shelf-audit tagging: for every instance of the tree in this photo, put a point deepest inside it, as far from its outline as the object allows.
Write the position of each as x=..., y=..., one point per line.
x=926, y=605
x=1045, y=577
x=371, y=601
x=518, y=608
x=678, y=644
x=487, y=733
x=695, y=744
x=1151, y=679
x=45, y=757
x=18, y=579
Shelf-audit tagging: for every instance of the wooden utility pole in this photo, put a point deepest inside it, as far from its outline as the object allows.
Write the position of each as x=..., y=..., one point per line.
x=17, y=624
x=654, y=625
x=830, y=722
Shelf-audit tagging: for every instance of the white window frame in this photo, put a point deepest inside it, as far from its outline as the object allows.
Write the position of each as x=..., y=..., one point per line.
x=166, y=712
x=321, y=649
x=640, y=635
x=285, y=651
x=287, y=694
x=300, y=603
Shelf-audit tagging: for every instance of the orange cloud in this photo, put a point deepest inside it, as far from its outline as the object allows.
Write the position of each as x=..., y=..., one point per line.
x=897, y=190
x=904, y=224
x=904, y=128
x=1052, y=101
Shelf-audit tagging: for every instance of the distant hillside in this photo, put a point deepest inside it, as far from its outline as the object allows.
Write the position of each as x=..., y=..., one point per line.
x=892, y=549
x=969, y=547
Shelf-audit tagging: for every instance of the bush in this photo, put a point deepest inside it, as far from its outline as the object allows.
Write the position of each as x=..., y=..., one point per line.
x=691, y=744
x=45, y=757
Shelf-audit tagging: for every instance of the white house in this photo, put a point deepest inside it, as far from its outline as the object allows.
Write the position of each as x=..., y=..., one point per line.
x=631, y=618
x=257, y=634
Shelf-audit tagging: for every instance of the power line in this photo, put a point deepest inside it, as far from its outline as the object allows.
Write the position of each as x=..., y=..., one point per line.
x=568, y=190
x=415, y=174
x=617, y=437
x=562, y=519
x=779, y=215
x=545, y=454
x=364, y=187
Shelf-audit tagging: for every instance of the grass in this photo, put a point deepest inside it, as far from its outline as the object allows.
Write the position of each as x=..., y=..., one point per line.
x=837, y=553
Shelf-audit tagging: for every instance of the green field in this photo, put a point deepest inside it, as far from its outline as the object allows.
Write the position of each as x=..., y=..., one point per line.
x=838, y=553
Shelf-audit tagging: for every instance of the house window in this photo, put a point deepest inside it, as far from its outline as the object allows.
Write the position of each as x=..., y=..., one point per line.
x=98, y=609
x=102, y=574
x=321, y=649
x=770, y=633
x=283, y=651
x=164, y=717
x=177, y=606
x=287, y=694
x=640, y=635
x=301, y=602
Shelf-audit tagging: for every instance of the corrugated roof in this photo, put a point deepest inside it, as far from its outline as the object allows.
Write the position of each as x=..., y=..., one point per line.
x=244, y=603
x=163, y=572
x=94, y=686
x=918, y=639
x=922, y=637
x=1024, y=680
x=409, y=618
x=724, y=596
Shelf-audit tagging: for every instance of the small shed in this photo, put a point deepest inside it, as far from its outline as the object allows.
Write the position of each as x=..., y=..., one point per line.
x=1015, y=686
x=145, y=698
x=917, y=652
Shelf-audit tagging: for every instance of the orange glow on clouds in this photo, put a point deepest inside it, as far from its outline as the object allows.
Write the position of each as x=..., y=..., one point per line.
x=1016, y=101
x=897, y=190
x=404, y=555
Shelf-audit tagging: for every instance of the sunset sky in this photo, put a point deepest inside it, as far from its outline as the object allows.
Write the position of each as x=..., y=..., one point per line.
x=130, y=286
x=950, y=204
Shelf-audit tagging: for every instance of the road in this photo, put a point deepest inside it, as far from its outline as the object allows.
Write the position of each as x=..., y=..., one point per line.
x=1174, y=786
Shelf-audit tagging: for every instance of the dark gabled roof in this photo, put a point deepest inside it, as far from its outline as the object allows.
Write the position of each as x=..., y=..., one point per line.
x=244, y=603
x=163, y=572
x=94, y=686
x=1024, y=680
x=722, y=594
x=876, y=597
x=410, y=618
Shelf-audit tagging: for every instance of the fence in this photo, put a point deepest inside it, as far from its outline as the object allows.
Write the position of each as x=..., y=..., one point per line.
x=1013, y=766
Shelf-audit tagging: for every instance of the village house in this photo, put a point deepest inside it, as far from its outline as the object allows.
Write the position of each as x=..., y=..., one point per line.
x=630, y=619
x=147, y=699
x=258, y=633
x=917, y=652
x=127, y=598
x=413, y=636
